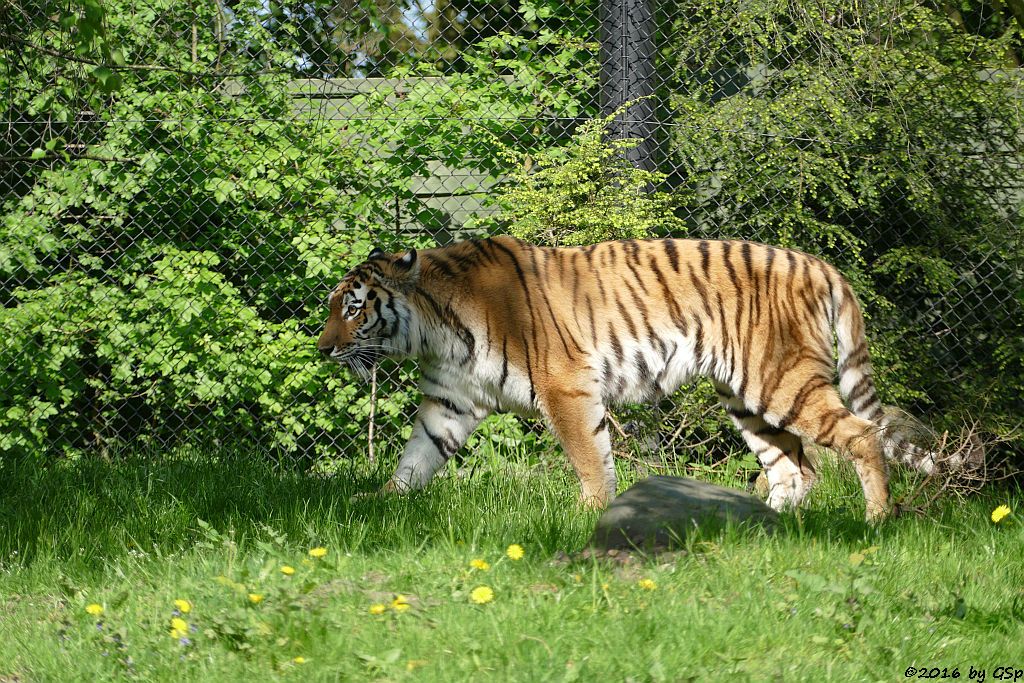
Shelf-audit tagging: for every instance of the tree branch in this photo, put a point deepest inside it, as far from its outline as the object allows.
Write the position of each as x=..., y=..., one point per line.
x=50, y=157
x=143, y=67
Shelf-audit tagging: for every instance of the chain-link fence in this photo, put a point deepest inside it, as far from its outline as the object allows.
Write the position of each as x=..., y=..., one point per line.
x=181, y=183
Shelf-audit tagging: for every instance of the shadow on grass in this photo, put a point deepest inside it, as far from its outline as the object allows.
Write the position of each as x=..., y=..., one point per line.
x=91, y=508
x=87, y=512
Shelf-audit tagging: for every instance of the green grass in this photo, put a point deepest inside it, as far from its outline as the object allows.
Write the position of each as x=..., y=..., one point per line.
x=826, y=598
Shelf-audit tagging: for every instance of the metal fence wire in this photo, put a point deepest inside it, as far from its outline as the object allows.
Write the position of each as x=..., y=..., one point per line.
x=182, y=183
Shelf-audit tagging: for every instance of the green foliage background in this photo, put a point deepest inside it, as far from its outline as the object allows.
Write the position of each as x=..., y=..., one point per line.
x=166, y=283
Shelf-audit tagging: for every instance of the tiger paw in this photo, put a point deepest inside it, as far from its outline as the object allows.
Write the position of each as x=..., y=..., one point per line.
x=594, y=501
x=878, y=512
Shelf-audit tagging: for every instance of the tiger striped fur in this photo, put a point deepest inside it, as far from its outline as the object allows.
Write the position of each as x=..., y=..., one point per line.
x=500, y=325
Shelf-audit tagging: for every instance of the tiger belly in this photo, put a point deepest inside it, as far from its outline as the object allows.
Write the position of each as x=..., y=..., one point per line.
x=646, y=373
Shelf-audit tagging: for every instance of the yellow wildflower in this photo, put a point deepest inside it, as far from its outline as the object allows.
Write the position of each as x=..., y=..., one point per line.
x=481, y=595
x=299, y=660
x=183, y=606
x=647, y=584
x=400, y=604
x=515, y=552
x=178, y=627
x=479, y=564
x=318, y=552
x=1000, y=512
x=377, y=609
x=287, y=570
x=256, y=598
x=94, y=609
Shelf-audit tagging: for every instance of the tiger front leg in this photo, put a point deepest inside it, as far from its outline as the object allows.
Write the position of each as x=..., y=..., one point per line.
x=579, y=421
x=442, y=427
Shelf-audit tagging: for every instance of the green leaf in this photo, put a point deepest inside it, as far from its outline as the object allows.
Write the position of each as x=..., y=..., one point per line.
x=93, y=10
x=108, y=80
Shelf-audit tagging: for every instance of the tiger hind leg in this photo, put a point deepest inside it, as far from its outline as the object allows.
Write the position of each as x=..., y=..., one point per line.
x=819, y=415
x=790, y=474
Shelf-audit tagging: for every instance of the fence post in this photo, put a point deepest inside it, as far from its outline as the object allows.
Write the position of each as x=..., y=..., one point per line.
x=627, y=72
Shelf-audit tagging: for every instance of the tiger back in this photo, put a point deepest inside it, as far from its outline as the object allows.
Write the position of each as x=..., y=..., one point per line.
x=497, y=325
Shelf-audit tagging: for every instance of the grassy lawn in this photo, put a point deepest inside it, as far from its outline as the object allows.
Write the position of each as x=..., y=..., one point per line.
x=199, y=568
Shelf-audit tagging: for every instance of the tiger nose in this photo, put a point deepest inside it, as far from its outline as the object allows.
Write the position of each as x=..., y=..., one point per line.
x=326, y=350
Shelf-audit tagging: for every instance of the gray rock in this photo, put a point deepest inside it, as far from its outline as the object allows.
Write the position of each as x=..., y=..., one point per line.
x=659, y=511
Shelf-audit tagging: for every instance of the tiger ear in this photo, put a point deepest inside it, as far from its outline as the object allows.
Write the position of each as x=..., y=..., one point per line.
x=405, y=271
x=377, y=251
x=408, y=260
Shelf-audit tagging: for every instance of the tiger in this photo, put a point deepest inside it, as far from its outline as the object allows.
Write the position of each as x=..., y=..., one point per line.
x=565, y=332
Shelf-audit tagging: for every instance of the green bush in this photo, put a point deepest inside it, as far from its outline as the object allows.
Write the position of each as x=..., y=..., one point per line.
x=178, y=298
x=584, y=191
x=168, y=285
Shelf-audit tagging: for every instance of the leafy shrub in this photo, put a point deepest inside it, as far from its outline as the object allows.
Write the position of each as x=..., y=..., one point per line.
x=584, y=191
x=168, y=284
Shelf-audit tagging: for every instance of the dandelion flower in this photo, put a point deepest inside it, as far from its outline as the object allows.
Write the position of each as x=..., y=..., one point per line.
x=288, y=570
x=647, y=584
x=378, y=609
x=1000, y=512
x=400, y=604
x=481, y=595
x=183, y=606
x=255, y=598
x=94, y=609
x=479, y=564
x=318, y=552
x=515, y=552
x=299, y=660
x=178, y=627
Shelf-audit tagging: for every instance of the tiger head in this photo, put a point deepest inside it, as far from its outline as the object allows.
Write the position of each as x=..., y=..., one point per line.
x=370, y=312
